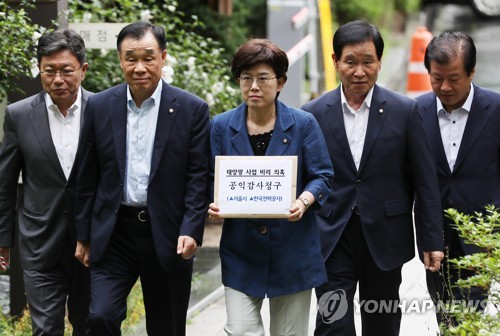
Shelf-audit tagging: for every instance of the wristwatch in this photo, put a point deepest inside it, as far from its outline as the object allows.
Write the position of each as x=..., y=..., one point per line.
x=305, y=201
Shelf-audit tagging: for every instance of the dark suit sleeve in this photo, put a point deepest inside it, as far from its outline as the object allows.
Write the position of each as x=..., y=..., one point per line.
x=87, y=177
x=196, y=197
x=215, y=149
x=318, y=170
x=10, y=166
x=427, y=211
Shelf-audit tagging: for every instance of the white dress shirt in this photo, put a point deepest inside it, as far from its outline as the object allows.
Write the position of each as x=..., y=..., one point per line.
x=452, y=126
x=141, y=130
x=355, y=123
x=65, y=131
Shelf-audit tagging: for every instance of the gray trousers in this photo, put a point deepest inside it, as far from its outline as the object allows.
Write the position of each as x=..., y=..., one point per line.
x=51, y=292
x=289, y=314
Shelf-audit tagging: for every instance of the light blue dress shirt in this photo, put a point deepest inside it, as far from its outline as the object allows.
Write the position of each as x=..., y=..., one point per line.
x=141, y=130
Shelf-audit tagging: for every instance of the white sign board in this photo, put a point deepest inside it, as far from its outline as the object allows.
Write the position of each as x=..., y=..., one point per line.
x=98, y=35
x=255, y=186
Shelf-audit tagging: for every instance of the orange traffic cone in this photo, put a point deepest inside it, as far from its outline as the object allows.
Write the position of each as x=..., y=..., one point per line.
x=418, y=78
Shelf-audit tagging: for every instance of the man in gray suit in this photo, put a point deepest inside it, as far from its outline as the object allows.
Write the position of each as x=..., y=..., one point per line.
x=40, y=140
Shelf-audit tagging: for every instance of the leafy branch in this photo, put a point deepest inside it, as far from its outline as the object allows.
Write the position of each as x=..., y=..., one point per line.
x=16, y=45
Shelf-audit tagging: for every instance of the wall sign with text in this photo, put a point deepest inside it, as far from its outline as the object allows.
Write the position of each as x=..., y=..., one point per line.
x=255, y=186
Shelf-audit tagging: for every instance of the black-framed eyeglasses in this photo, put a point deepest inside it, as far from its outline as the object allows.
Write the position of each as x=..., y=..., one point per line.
x=261, y=80
x=65, y=73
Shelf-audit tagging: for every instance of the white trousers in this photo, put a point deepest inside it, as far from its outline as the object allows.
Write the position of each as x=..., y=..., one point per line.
x=289, y=314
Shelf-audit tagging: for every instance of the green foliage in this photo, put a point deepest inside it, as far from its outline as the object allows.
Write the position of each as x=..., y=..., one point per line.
x=482, y=230
x=135, y=309
x=10, y=326
x=375, y=11
x=16, y=44
x=195, y=63
x=21, y=326
x=248, y=19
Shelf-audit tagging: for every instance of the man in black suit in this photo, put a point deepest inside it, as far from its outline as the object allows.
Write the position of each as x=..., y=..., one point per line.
x=382, y=164
x=40, y=141
x=462, y=121
x=142, y=191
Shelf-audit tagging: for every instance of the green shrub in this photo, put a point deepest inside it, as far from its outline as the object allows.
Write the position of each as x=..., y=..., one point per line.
x=10, y=326
x=21, y=326
x=248, y=19
x=195, y=63
x=483, y=230
x=380, y=13
x=16, y=44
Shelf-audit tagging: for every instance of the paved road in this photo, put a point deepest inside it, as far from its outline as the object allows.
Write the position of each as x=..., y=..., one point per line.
x=210, y=321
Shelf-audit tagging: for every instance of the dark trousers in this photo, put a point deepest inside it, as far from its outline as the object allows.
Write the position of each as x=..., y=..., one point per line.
x=349, y=264
x=130, y=255
x=443, y=288
x=51, y=292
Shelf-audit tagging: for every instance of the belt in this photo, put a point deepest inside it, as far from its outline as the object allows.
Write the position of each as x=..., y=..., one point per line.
x=138, y=213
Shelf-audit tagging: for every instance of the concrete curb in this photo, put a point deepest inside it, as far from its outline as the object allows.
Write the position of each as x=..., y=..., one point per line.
x=205, y=302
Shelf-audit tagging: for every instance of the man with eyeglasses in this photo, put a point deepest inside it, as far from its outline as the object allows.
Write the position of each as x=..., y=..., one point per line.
x=40, y=140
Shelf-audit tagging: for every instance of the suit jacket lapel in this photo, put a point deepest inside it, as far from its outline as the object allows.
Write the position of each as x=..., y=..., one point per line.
x=41, y=129
x=477, y=120
x=238, y=125
x=281, y=140
x=376, y=118
x=168, y=112
x=85, y=97
x=431, y=125
x=117, y=109
x=335, y=120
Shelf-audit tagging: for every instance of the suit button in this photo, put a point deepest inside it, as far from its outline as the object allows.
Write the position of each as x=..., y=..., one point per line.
x=263, y=229
x=358, y=183
x=320, y=196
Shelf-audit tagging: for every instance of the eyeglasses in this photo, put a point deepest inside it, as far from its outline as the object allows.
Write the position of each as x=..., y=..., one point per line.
x=66, y=73
x=261, y=80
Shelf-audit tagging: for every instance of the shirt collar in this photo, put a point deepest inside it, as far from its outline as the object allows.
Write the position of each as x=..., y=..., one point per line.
x=49, y=103
x=466, y=106
x=367, y=101
x=155, y=97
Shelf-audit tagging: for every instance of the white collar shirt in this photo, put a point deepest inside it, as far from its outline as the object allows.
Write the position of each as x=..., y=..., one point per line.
x=65, y=131
x=356, y=123
x=141, y=130
x=452, y=126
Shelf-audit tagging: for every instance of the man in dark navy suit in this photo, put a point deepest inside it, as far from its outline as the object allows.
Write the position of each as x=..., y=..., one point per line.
x=462, y=121
x=383, y=174
x=142, y=189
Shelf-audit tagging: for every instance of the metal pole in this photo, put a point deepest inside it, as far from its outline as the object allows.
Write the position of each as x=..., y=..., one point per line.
x=313, y=53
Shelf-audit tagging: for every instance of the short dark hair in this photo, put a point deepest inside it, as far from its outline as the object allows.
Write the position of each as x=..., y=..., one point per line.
x=447, y=47
x=257, y=50
x=63, y=39
x=355, y=32
x=137, y=30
